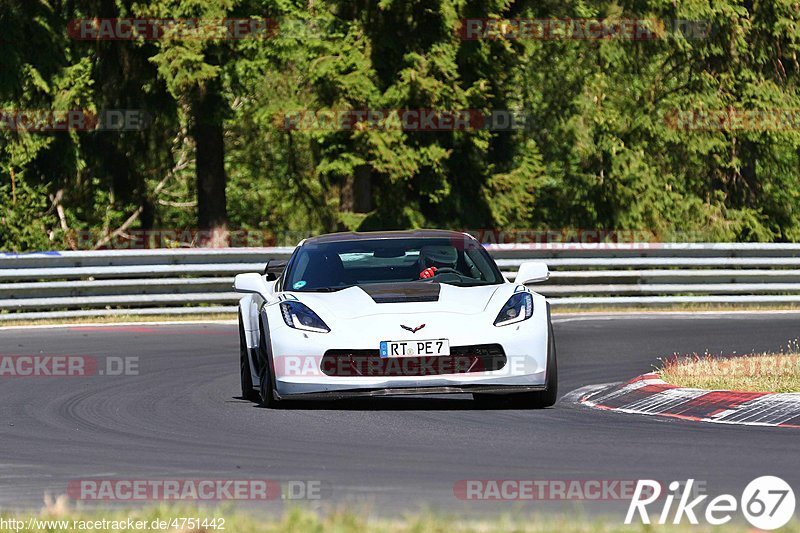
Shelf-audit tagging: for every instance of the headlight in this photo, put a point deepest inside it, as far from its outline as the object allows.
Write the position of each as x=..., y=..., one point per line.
x=299, y=316
x=518, y=308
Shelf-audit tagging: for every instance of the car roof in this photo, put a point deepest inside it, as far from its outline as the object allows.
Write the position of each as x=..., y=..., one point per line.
x=371, y=235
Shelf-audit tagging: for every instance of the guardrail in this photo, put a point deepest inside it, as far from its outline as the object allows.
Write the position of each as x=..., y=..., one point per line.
x=191, y=281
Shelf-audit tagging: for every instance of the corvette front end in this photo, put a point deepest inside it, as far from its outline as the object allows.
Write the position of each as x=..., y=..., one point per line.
x=347, y=358
x=395, y=313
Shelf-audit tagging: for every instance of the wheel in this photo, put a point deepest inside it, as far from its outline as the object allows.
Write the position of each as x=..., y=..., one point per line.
x=248, y=392
x=266, y=379
x=266, y=392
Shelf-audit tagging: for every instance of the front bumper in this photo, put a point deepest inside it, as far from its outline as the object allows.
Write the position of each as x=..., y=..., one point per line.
x=410, y=391
x=297, y=356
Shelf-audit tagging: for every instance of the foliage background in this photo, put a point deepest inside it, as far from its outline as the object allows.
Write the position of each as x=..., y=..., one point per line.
x=598, y=151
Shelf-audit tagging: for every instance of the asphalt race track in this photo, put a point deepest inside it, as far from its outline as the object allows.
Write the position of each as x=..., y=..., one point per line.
x=181, y=417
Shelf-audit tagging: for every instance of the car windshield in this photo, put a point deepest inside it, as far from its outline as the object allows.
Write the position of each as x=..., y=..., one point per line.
x=338, y=265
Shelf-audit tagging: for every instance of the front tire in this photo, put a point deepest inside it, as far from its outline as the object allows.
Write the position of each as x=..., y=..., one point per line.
x=246, y=378
x=266, y=379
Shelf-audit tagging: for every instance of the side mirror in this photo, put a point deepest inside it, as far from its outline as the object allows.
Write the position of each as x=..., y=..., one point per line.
x=532, y=272
x=274, y=269
x=251, y=283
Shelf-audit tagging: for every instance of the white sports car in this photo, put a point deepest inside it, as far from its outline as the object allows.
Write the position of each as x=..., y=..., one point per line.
x=401, y=312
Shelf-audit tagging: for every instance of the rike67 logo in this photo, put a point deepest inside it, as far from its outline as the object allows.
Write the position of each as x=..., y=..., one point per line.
x=767, y=502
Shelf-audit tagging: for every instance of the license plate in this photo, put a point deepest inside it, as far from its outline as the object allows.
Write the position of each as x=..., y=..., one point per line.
x=420, y=348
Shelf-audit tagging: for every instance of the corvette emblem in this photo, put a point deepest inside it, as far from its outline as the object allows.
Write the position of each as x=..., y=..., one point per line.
x=412, y=330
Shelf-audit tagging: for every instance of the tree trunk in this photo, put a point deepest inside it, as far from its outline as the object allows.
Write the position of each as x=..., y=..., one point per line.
x=355, y=193
x=362, y=189
x=207, y=115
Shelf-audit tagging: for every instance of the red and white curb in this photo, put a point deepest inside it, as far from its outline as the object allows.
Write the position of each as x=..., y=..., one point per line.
x=650, y=395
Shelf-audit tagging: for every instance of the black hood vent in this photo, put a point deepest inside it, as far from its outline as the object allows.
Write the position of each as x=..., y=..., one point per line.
x=403, y=292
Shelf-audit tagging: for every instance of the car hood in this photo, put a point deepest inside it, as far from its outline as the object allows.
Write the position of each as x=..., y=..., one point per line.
x=400, y=298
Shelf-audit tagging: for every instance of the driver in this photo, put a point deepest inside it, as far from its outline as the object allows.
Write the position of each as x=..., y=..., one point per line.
x=432, y=258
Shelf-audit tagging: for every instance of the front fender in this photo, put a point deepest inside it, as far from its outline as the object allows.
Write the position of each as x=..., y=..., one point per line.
x=248, y=308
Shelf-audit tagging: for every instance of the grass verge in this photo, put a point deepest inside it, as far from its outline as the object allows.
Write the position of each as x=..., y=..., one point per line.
x=765, y=372
x=673, y=308
x=170, y=518
x=118, y=319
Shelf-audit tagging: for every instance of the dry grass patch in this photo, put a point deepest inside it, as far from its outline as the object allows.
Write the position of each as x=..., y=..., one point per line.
x=766, y=372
